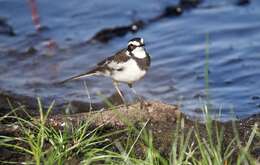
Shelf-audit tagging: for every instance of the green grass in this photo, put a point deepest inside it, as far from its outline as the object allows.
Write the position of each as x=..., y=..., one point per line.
x=43, y=144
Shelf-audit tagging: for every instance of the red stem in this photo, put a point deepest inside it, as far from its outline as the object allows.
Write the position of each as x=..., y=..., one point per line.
x=35, y=15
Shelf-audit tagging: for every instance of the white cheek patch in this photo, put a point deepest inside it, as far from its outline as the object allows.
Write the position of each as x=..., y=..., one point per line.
x=139, y=52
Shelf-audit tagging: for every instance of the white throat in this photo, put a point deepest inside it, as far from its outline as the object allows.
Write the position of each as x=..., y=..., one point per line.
x=139, y=52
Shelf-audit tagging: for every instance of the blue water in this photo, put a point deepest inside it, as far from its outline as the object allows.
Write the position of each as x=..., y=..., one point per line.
x=177, y=46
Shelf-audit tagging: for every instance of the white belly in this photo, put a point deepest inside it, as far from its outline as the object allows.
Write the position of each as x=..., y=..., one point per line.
x=130, y=73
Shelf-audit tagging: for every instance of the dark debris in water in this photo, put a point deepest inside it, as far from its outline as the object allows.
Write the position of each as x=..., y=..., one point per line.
x=172, y=11
x=31, y=50
x=189, y=4
x=169, y=11
x=108, y=34
x=243, y=2
x=5, y=28
x=176, y=10
x=255, y=97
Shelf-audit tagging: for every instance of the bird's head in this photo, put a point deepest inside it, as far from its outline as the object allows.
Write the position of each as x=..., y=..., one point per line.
x=135, y=43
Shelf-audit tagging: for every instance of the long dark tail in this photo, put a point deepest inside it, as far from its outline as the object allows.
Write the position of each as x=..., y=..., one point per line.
x=83, y=75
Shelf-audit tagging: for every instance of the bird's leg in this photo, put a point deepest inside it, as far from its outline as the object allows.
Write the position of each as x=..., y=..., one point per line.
x=138, y=96
x=120, y=93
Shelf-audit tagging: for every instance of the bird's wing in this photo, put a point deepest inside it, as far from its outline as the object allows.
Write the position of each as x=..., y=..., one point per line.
x=109, y=64
x=114, y=61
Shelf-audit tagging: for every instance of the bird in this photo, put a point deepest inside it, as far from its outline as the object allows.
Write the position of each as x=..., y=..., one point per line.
x=127, y=66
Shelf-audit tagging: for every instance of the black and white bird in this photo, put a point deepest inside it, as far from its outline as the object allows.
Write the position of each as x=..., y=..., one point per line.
x=126, y=66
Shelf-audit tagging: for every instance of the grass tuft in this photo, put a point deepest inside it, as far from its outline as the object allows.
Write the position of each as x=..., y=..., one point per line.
x=40, y=143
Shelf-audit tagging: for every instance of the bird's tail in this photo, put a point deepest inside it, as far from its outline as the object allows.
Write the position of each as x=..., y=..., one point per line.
x=83, y=75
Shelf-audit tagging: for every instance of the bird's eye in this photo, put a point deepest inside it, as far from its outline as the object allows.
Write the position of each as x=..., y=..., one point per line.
x=131, y=47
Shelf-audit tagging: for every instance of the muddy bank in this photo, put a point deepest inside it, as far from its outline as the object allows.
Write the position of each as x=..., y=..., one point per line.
x=10, y=101
x=163, y=120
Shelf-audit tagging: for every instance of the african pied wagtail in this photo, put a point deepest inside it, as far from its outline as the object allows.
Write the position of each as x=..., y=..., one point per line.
x=126, y=66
